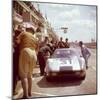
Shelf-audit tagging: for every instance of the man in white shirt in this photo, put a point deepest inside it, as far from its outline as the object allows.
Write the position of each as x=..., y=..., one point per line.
x=85, y=53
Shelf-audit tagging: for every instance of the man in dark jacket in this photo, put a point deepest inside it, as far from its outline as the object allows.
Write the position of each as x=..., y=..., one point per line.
x=15, y=60
x=66, y=43
x=43, y=53
x=61, y=43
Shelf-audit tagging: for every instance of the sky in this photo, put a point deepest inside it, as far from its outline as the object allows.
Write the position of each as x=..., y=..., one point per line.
x=79, y=19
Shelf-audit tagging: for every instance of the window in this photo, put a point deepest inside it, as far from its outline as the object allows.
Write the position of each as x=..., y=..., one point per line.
x=18, y=8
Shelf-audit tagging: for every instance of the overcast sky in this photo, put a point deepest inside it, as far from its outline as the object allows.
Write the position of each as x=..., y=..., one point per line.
x=80, y=20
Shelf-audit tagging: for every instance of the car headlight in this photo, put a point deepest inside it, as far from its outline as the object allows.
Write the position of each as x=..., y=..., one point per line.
x=53, y=73
x=77, y=73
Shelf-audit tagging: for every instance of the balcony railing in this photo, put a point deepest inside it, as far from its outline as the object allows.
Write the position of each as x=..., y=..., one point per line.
x=17, y=16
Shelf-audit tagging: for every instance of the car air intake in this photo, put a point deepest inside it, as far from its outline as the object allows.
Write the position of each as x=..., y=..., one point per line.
x=65, y=68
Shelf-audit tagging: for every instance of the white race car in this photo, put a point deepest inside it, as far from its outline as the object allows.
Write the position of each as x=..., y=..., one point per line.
x=65, y=62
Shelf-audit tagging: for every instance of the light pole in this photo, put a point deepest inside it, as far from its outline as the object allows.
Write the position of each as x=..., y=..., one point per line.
x=64, y=29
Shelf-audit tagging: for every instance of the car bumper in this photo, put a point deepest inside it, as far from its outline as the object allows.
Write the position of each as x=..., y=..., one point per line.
x=77, y=74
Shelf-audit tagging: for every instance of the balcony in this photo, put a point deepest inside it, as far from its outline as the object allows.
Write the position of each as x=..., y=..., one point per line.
x=17, y=17
x=34, y=11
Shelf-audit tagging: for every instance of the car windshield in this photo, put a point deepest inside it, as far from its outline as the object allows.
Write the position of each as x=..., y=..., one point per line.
x=66, y=53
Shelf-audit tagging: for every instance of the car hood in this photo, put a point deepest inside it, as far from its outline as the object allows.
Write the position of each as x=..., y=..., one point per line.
x=57, y=64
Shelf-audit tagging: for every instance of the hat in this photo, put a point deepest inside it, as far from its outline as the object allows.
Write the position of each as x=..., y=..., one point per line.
x=49, y=44
x=30, y=29
x=80, y=42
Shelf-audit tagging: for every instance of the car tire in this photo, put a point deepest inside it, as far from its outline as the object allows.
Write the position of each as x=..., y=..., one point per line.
x=48, y=78
x=83, y=77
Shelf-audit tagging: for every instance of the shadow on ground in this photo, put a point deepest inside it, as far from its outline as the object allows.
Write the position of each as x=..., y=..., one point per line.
x=63, y=82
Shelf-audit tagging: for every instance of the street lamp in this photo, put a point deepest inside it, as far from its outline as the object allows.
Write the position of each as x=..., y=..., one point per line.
x=64, y=29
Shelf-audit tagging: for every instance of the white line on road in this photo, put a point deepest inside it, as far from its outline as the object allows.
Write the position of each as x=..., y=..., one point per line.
x=33, y=79
x=44, y=94
x=94, y=68
x=19, y=94
x=33, y=93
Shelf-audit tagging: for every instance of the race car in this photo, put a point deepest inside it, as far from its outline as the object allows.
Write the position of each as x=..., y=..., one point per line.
x=65, y=62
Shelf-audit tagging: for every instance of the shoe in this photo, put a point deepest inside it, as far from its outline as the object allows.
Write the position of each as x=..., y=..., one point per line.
x=29, y=94
x=15, y=93
x=86, y=67
x=41, y=74
x=24, y=97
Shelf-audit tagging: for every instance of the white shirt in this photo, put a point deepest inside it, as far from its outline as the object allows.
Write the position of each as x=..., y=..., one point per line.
x=85, y=52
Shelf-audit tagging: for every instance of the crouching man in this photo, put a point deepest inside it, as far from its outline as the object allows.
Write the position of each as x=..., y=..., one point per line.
x=43, y=54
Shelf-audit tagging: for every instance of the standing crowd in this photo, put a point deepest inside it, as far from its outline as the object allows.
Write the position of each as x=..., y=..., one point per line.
x=27, y=50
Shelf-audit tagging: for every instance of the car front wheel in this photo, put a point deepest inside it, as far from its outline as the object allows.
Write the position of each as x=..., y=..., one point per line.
x=83, y=75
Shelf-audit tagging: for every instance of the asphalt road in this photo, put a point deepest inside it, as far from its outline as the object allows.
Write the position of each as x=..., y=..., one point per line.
x=42, y=88
x=65, y=87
